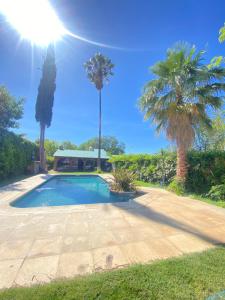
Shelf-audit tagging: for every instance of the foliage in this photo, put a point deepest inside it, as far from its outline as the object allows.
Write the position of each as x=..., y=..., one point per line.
x=155, y=168
x=45, y=99
x=50, y=146
x=123, y=181
x=205, y=169
x=177, y=186
x=50, y=162
x=99, y=69
x=217, y=192
x=177, y=100
x=16, y=154
x=67, y=145
x=46, y=89
x=222, y=34
x=194, y=276
x=109, y=143
x=213, y=138
x=11, y=109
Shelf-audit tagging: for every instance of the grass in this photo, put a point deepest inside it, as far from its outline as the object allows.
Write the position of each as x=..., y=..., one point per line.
x=207, y=200
x=147, y=184
x=193, y=276
x=191, y=195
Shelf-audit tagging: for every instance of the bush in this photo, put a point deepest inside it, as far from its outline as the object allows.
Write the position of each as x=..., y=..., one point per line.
x=16, y=154
x=205, y=169
x=50, y=162
x=156, y=168
x=217, y=192
x=123, y=181
x=177, y=186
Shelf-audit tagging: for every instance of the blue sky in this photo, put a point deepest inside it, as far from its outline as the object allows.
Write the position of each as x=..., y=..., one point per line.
x=145, y=27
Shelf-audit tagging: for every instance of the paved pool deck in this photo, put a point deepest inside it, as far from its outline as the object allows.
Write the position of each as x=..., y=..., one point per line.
x=38, y=245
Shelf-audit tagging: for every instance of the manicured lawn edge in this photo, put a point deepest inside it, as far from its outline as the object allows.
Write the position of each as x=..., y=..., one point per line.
x=190, y=195
x=193, y=276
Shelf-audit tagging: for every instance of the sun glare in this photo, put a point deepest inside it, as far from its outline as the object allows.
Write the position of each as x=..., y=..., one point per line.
x=35, y=20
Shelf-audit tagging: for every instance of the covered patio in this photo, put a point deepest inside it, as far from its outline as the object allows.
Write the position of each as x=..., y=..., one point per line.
x=80, y=160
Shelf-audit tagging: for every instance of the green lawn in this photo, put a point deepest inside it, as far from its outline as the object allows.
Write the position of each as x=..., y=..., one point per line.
x=189, y=277
x=191, y=195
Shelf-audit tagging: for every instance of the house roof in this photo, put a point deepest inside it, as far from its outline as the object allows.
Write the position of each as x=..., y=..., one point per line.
x=81, y=153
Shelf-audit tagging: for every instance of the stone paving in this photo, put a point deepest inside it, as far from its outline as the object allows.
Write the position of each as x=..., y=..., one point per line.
x=38, y=245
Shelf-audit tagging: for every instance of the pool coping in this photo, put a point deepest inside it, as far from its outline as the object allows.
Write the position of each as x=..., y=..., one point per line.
x=9, y=194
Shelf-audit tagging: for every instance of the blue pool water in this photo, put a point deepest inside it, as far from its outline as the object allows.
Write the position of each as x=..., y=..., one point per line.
x=69, y=190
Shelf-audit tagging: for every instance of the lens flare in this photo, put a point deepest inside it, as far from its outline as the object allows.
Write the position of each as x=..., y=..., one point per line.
x=35, y=20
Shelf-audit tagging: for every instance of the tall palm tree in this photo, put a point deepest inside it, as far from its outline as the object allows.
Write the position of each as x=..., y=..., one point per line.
x=45, y=100
x=99, y=69
x=177, y=100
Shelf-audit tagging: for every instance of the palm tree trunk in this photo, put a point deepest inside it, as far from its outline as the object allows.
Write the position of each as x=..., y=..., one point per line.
x=181, y=163
x=42, y=149
x=99, y=131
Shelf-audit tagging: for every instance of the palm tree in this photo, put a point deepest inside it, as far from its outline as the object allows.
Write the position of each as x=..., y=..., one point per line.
x=99, y=69
x=177, y=100
x=45, y=100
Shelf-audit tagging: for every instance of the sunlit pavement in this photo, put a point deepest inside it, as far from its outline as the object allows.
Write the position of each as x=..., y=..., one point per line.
x=38, y=245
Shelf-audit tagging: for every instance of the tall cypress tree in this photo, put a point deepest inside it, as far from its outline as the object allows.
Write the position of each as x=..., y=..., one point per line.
x=45, y=99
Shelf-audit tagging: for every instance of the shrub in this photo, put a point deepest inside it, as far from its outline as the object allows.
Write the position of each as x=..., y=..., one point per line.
x=205, y=169
x=50, y=162
x=156, y=168
x=123, y=181
x=177, y=186
x=16, y=154
x=217, y=192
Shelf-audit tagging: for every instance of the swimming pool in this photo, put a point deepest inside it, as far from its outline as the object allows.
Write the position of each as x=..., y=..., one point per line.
x=69, y=190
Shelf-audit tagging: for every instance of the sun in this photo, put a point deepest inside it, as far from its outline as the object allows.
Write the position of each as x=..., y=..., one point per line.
x=35, y=20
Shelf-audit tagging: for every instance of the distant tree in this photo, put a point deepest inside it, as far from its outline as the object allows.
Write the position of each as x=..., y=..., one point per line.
x=177, y=100
x=67, y=145
x=50, y=146
x=45, y=99
x=109, y=143
x=11, y=109
x=99, y=69
x=211, y=138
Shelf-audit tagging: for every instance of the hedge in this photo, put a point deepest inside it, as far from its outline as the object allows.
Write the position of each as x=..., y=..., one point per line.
x=16, y=154
x=205, y=169
x=158, y=168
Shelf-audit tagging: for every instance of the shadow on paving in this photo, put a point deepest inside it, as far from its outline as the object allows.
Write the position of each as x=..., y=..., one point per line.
x=161, y=218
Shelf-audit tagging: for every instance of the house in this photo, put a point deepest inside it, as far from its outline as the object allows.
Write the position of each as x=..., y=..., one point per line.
x=80, y=160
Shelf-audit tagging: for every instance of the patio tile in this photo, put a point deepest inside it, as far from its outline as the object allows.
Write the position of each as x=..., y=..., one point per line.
x=46, y=247
x=37, y=270
x=124, y=235
x=80, y=242
x=138, y=252
x=75, y=263
x=146, y=232
x=188, y=243
x=163, y=248
x=8, y=271
x=77, y=227
x=102, y=239
x=15, y=249
x=109, y=258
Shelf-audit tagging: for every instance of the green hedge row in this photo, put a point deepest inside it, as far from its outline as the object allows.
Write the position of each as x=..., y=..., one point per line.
x=205, y=169
x=156, y=168
x=16, y=154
